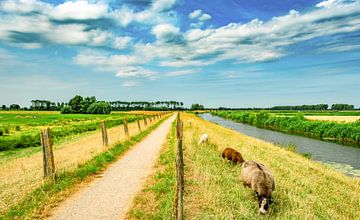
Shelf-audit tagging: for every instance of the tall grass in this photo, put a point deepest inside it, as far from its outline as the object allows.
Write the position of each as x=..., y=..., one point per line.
x=305, y=189
x=348, y=133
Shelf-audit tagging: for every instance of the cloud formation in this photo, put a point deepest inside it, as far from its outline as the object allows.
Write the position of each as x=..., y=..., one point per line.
x=152, y=37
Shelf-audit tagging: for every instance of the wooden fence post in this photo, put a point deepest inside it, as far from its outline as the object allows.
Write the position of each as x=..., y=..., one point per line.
x=138, y=123
x=126, y=129
x=104, y=134
x=48, y=155
x=179, y=171
x=145, y=122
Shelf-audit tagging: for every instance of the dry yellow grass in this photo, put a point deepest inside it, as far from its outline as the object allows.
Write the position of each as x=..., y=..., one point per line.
x=31, y=112
x=305, y=189
x=343, y=119
x=22, y=175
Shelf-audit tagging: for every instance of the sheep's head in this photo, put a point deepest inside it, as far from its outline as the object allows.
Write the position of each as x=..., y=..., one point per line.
x=264, y=204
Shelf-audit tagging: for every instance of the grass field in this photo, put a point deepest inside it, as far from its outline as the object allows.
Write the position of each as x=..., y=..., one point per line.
x=21, y=170
x=20, y=129
x=342, y=119
x=305, y=189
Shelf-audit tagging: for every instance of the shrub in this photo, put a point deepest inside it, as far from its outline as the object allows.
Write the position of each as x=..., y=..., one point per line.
x=65, y=110
x=99, y=108
x=1, y=132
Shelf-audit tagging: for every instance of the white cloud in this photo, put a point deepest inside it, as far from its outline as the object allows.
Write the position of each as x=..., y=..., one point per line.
x=121, y=42
x=204, y=17
x=181, y=72
x=79, y=10
x=23, y=6
x=195, y=14
x=331, y=3
x=127, y=66
x=163, y=5
x=199, y=17
x=130, y=84
x=164, y=32
x=135, y=71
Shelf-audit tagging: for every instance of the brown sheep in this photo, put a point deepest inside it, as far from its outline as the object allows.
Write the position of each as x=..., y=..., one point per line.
x=260, y=179
x=232, y=155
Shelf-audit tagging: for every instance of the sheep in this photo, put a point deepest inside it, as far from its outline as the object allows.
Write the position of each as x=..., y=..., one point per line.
x=203, y=139
x=233, y=156
x=260, y=179
x=189, y=122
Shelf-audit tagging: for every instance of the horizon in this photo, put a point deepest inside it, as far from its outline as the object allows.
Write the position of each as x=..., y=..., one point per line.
x=216, y=53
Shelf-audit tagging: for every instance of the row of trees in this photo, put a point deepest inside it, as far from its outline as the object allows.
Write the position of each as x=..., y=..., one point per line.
x=302, y=107
x=159, y=105
x=315, y=107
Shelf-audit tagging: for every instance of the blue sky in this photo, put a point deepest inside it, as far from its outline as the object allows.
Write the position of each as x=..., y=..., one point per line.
x=219, y=53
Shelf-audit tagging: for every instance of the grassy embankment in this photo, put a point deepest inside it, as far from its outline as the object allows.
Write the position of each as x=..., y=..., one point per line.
x=21, y=130
x=213, y=189
x=344, y=133
x=23, y=190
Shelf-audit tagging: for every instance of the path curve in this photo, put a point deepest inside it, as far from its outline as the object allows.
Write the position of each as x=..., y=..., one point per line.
x=110, y=196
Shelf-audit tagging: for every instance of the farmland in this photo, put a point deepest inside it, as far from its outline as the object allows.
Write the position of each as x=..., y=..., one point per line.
x=21, y=129
x=21, y=169
x=213, y=189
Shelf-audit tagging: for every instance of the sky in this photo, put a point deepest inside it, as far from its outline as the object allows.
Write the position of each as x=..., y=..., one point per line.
x=231, y=53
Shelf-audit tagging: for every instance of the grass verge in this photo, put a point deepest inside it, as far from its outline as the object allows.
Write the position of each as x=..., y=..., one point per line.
x=155, y=201
x=49, y=194
x=305, y=189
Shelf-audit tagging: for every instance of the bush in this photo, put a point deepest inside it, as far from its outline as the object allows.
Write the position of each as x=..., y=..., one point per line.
x=99, y=108
x=65, y=110
x=1, y=133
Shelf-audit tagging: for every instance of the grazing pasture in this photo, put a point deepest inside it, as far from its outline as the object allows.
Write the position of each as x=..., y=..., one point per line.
x=214, y=190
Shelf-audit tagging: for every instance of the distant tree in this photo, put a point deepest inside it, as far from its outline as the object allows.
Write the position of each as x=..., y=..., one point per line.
x=14, y=107
x=99, y=108
x=66, y=110
x=75, y=104
x=197, y=107
x=3, y=107
x=86, y=103
x=342, y=107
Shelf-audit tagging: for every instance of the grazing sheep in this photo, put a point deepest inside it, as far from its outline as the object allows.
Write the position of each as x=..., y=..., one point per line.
x=260, y=179
x=203, y=139
x=232, y=155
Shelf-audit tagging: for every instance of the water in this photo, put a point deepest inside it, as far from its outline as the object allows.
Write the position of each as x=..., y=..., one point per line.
x=342, y=158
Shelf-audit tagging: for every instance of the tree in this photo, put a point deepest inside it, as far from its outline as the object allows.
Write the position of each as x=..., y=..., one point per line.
x=75, y=104
x=65, y=110
x=99, y=108
x=197, y=107
x=342, y=107
x=14, y=107
x=86, y=103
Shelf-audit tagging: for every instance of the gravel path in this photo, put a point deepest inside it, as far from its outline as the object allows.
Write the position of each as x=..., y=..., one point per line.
x=110, y=196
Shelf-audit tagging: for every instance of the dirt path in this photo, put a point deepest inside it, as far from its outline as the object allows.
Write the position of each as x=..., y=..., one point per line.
x=110, y=196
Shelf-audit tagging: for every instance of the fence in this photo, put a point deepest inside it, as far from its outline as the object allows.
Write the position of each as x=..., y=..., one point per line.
x=179, y=210
x=47, y=144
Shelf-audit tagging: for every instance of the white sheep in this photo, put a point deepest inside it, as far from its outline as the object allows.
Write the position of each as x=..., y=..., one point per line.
x=189, y=122
x=203, y=139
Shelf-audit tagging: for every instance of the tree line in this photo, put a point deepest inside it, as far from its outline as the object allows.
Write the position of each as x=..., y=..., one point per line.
x=90, y=105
